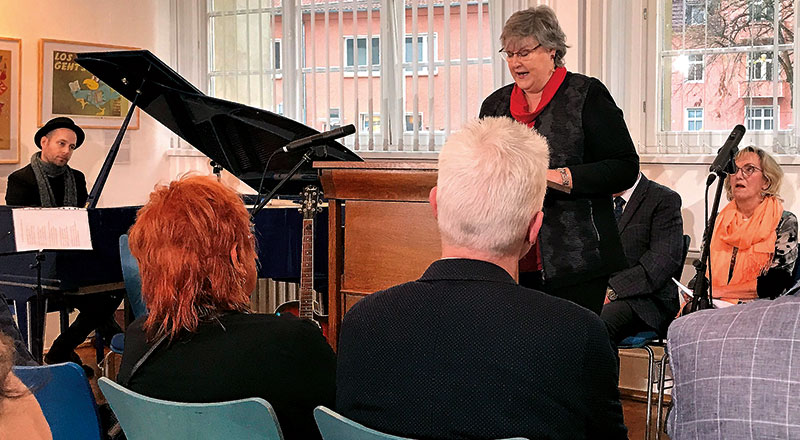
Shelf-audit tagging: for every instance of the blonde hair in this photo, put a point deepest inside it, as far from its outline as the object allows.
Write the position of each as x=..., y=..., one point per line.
x=772, y=171
x=492, y=180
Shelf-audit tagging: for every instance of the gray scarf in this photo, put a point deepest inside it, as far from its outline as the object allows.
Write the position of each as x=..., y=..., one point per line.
x=43, y=170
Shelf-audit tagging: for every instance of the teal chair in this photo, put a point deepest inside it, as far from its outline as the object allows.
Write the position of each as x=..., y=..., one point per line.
x=334, y=426
x=67, y=402
x=133, y=292
x=144, y=418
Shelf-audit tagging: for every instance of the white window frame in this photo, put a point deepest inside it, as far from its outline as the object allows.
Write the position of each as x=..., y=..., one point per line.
x=363, y=120
x=693, y=62
x=694, y=119
x=422, y=48
x=690, y=13
x=361, y=68
x=407, y=122
x=760, y=66
x=756, y=10
x=761, y=118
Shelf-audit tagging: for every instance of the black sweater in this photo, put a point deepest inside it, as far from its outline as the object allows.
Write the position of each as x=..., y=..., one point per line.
x=282, y=359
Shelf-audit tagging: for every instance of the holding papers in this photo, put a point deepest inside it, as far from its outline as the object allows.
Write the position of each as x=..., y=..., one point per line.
x=685, y=291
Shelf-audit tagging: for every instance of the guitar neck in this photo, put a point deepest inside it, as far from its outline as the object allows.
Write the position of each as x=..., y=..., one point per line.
x=307, y=270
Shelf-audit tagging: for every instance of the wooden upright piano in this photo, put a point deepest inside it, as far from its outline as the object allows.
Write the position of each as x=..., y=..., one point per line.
x=381, y=228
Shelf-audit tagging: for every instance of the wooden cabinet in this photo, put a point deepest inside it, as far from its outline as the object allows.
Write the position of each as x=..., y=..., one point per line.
x=381, y=228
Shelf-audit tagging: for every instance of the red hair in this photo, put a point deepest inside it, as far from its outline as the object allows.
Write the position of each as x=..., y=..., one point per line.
x=196, y=254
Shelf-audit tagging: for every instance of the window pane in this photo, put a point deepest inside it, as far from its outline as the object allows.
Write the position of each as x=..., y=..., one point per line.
x=690, y=24
x=246, y=65
x=376, y=51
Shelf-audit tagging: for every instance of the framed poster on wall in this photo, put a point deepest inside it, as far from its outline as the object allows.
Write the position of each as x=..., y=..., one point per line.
x=67, y=89
x=10, y=77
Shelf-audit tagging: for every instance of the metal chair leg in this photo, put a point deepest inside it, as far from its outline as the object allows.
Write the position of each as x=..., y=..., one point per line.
x=648, y=418
x=660, y=405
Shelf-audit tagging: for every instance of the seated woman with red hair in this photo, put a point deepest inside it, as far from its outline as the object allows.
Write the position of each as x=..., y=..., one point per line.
x=199, y=342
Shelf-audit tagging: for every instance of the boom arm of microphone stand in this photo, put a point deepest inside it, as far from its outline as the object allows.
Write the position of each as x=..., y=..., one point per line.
x=306, y=157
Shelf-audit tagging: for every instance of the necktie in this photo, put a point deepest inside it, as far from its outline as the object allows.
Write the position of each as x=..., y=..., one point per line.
x=619, y=203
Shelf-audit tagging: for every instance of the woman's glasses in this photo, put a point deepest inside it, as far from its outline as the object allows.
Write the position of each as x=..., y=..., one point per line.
x=747, y=170
x=521, y=54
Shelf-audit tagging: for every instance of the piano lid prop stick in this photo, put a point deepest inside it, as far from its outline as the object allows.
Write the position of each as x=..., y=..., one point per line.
x=100, y=182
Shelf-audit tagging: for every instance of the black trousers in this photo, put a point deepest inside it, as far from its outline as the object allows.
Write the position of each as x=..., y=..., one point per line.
x=590, y=293
x=96, y=311
x=622, y=321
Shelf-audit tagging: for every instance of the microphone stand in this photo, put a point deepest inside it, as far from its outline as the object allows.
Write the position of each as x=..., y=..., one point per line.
x=319, y=151
x=702, y=290
x=36, y=341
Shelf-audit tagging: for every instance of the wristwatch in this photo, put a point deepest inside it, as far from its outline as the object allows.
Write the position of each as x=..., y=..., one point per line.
x=611, y=294
x=564, y=176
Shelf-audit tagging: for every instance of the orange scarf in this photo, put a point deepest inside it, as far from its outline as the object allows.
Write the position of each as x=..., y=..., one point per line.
x=755, y=238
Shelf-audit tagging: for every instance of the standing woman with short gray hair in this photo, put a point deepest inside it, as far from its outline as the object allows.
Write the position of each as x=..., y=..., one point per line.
x=591, y=157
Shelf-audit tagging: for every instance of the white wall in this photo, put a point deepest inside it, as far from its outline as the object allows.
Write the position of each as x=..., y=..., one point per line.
x=139, y=23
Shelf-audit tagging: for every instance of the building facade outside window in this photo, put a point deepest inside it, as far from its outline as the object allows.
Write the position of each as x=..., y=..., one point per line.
x=377, y=64
x=737, y=68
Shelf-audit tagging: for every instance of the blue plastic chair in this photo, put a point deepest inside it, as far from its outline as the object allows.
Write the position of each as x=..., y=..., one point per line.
x=133, y=291
x=334, y=426
x=131, y=277
x=145, y=418
x=66, y=399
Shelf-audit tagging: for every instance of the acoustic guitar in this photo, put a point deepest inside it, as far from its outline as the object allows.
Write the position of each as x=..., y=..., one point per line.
x=306, y=307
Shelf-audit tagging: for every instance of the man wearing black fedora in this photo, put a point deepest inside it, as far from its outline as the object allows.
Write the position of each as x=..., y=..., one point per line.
x=49, y=182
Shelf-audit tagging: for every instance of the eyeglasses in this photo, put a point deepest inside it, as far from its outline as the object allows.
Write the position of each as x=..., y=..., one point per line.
x=522, y=54
x=747, y=170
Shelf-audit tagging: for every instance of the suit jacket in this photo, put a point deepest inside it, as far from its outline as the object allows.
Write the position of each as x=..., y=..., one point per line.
x=466, y=352
x=736, y=372
x=651, y=230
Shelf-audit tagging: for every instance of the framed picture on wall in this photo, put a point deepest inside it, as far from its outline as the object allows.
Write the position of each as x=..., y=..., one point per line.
x=67, y=89
x=10, y=68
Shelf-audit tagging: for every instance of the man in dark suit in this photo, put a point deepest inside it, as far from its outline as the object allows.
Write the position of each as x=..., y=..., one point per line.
x=465, y=351
x=643, y=297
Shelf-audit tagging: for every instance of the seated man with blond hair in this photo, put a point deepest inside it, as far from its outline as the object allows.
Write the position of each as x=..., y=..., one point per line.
x=465, y=351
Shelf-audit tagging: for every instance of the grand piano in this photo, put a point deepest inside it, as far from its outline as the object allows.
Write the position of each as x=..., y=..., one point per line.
x=240, y=139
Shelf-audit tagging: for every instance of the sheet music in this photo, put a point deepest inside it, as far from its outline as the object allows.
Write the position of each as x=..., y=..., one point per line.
x=718, y=303
x=51, y=228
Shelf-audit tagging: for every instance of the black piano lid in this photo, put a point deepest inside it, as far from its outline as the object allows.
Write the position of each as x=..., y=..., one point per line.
x=238, y=137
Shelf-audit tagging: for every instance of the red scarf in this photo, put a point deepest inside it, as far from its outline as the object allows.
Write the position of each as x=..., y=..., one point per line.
x=532, y=261
x=519, y=105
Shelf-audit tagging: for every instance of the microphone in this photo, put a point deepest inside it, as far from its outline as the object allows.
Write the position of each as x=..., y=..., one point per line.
x=725, y=154
x=319, y=138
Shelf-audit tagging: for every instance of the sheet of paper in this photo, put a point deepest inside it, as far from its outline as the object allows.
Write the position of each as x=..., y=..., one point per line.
x=718, y=303
x=51, y=228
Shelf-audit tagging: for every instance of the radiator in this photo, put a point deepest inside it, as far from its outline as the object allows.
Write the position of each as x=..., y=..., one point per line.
x=269, y=294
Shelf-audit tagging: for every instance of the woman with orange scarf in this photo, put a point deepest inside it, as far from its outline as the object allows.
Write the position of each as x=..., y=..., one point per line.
x=754, y=245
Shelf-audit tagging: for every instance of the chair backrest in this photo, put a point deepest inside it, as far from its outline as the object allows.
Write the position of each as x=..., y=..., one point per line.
x=66, y=398
x=334, y=426
x=131, y=277
x=687, y=240
x=143, y=417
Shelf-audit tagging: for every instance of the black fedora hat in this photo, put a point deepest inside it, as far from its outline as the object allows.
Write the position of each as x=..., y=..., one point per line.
x=55, y=123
